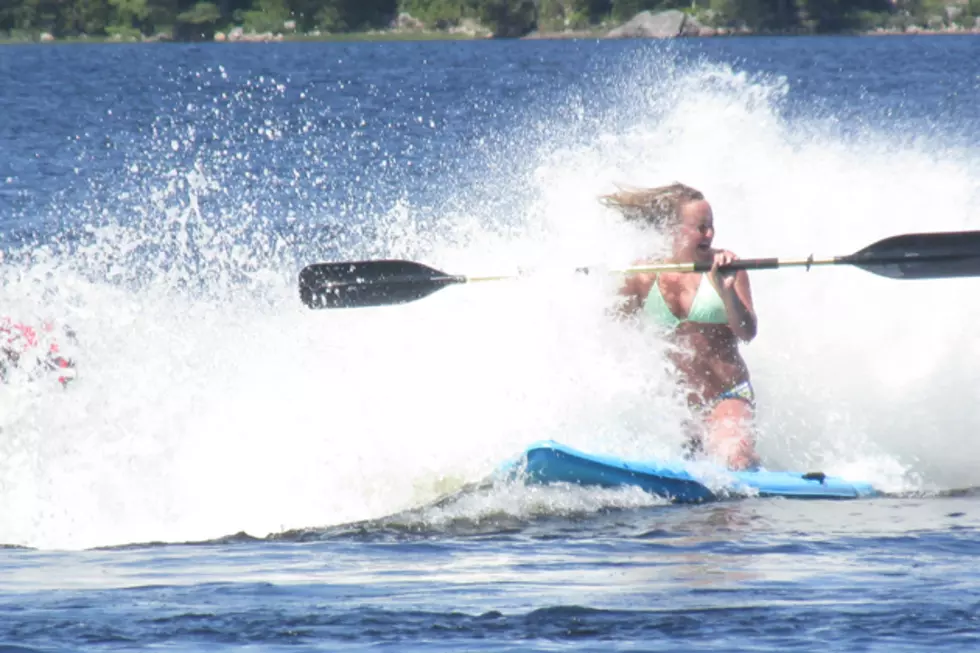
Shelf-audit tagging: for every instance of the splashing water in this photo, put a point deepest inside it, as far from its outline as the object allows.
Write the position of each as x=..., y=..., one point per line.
x=210, y=402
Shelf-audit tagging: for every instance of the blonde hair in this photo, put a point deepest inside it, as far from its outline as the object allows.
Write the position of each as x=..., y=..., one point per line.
x=659, y=206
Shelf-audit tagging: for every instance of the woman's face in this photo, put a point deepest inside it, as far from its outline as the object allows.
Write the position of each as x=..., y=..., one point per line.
x=693, y=235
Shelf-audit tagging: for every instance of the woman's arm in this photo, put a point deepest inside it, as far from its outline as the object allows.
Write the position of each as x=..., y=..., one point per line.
x=735, y=291
x=634, y=291
x=741, y=313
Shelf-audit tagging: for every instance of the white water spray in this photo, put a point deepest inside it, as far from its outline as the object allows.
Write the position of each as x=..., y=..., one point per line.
x=197, y=415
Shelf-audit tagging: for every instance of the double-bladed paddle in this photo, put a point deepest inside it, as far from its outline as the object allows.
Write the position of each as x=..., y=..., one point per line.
x=353, y=284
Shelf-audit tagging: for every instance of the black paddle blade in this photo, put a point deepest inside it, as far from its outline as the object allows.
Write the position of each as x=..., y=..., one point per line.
x=921, y=256
x=356, y=284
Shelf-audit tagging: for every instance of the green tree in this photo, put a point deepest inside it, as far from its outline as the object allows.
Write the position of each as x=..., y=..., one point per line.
x=36, y=16
x=198, y=23
x=574, y=14
x=508, y=18
x=304, y=12
x=267, y=16
x=756, y=14
x=364, y=14
x=839, y=15
x=86, y=17
x=161, y=16
x=127, y=17
x=623, y=10
x=436, y=13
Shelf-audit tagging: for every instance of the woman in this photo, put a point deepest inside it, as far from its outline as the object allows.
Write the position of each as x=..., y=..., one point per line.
x=706, y=316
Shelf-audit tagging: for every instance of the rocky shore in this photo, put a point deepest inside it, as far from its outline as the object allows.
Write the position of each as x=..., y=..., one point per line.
x=652, y=25
x=677, y=24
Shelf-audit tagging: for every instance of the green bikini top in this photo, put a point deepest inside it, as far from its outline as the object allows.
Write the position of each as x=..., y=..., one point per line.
x=707, y=306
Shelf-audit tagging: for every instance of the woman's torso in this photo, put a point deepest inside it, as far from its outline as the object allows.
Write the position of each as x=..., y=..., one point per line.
x=707, y=354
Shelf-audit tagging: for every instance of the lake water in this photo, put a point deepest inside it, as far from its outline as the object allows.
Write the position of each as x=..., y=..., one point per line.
x=233, y=470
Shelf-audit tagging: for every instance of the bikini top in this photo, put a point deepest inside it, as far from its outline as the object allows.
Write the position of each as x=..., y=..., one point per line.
x=707, y=306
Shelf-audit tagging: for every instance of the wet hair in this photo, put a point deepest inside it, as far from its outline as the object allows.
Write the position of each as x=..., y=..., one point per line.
x=660, y=207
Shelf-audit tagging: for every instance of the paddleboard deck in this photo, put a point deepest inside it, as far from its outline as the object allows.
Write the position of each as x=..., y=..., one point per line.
x=548, y=462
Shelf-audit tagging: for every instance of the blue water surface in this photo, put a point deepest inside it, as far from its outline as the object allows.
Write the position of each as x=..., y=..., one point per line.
x=305, y=145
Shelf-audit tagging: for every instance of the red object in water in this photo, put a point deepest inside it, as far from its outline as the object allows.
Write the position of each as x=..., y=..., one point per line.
x=17, y=340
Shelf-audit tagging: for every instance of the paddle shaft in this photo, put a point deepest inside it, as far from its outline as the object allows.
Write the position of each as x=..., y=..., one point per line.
x=350, y=284
x=442, y=280
x=743, y=264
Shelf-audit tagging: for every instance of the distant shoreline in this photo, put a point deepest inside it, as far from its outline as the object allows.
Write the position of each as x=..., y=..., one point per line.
x=422, y=36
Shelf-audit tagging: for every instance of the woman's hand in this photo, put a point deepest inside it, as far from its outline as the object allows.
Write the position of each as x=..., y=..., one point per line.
x=722, y=281
x=733, y=288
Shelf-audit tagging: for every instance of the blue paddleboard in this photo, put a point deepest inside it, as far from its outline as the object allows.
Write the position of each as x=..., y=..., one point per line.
x=550, y=462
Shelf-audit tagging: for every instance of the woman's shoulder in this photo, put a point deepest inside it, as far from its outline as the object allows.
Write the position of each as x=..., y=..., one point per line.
x=638, y=282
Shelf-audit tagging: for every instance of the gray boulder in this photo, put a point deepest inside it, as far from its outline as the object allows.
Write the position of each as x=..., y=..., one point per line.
x=406, y=21
x=661, y=25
